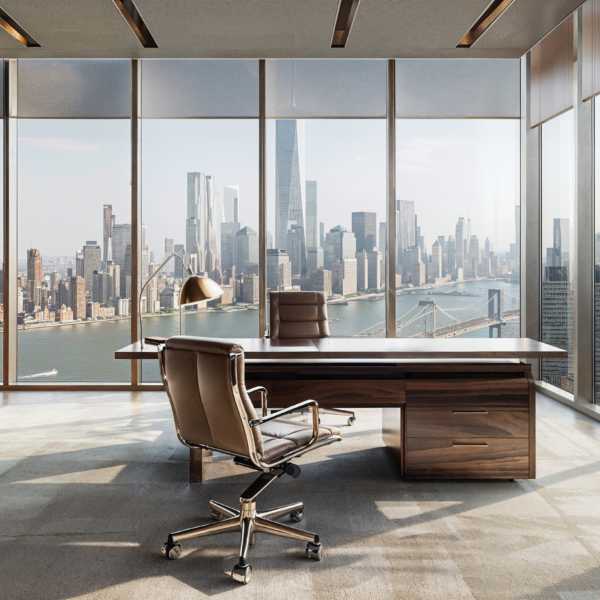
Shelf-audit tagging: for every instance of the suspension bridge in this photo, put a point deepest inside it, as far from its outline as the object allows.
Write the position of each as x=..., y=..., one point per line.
x=429, y=320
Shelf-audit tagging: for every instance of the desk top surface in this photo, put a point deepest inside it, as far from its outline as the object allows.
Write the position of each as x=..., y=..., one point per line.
x=377, y=348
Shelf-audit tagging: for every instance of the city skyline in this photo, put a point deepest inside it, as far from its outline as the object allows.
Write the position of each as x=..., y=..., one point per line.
x=97, y=161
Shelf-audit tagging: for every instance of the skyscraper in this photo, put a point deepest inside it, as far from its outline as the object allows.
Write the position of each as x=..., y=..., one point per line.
x=246, y=249
x=34, y=272
x=473, y=257
x=311, y=214
x=290, y=187
x=314, y=259
x=228, y=232
x=107, y=223
x=92, y=261
x=436, y=260
x=231, y=203
x=168, y=248
x=459, y=241
x=405, y=227
x=382, y=238
x=364, y=227
x=362, y=271
x=78, y=297
x=121, y=248
x=322, y=235
x=203, y=220
x=279, y=272
x=178, y=271
x=339, y=244
x=560, y=230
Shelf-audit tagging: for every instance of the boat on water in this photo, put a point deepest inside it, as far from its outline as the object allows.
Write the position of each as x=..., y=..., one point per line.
x=46, y=374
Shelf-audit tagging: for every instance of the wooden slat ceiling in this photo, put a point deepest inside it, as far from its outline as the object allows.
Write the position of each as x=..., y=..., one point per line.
x=278, y=28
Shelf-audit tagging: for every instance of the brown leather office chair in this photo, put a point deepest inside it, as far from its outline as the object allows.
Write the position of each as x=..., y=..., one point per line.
x=204, y=379
x=302, y=315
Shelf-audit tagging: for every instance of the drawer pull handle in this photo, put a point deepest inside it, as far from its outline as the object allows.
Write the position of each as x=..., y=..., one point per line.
x=454, y=445
x=469, y=412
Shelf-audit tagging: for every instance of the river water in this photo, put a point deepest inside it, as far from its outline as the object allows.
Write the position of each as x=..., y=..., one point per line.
x=85, y=352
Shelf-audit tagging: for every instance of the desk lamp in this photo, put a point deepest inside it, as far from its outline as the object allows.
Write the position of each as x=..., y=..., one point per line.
x=195, y=289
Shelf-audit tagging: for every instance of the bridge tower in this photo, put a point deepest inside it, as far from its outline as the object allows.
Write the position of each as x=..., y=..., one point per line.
x=496, y=311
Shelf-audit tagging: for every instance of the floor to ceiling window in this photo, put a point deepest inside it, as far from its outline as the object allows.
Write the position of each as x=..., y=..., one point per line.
x=200, y=196
x=458, y=198
x=326, y=192
x=74, y=185
x=558, y=185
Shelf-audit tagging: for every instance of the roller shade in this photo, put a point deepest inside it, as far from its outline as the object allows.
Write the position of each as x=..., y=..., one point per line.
x=590, y=55
x=457, y=88
x=552, y=74
x=83, y=89
x=199, y=88
x=326, y=88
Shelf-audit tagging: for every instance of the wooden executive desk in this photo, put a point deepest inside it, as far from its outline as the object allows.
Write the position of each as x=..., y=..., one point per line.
x=452, y=408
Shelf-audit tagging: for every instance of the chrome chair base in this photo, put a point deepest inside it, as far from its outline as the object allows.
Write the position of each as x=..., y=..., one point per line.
x=248, y=521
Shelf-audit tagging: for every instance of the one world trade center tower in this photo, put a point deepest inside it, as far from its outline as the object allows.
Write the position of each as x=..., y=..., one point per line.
x=290, y=193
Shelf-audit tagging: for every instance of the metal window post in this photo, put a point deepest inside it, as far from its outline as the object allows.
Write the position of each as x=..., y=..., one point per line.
x=390, y=248
x=531, y=218
x=583, y=265
x=9, y=299
x=136, y=209
x=262, y=203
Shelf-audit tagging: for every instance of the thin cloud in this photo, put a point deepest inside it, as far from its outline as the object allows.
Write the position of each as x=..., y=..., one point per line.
x=358, y=158
x=62, y=144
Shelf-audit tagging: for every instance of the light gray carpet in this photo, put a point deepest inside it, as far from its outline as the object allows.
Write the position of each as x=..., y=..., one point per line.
x=90, y=485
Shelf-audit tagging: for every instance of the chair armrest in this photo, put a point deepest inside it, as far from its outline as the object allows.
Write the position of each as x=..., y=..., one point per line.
x=314, y=407
x=290, y=409
x=263, y=397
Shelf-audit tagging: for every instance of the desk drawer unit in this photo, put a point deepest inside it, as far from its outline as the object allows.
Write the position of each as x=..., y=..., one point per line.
x=476, y=428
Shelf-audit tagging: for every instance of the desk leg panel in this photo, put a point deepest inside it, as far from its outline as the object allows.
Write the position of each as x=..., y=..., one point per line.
x=199, y=460
x=393, y=434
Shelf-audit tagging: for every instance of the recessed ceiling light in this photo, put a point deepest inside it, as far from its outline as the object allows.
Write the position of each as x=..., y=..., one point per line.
x=11, y=26
x=345, y=17
x=491, y=13
x=131, y=14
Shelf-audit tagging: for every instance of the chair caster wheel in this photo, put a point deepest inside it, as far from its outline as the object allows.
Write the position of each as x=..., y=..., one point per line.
x=217, y=516
x=297, y=516
x=243, y=574
x=172, y=550
x=351, y=421
x=314, y=551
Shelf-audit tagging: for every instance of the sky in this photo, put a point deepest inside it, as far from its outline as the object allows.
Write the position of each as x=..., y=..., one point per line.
x=69, y=168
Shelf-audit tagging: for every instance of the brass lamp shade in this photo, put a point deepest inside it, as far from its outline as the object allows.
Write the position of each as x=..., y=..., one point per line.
x=197, y=289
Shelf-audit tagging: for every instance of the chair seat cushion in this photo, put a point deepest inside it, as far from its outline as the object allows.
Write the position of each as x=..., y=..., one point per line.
x=281, y=436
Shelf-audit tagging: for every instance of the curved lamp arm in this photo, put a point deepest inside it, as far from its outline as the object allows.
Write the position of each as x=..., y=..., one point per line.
x=188, y=271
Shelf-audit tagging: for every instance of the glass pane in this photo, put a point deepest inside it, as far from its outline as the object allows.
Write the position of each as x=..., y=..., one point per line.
x=73, y=311
x=458, y=88
x=200, y=199
x=326, y=217
x=326, y=88
x=458, y=227
x=74, y=88
x=200, y=88
x=558, y=185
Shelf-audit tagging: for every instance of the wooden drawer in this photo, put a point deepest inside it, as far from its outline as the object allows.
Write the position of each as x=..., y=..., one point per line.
x=340, y=393
x=468, y=394
x=476, y=458
x=470, y=423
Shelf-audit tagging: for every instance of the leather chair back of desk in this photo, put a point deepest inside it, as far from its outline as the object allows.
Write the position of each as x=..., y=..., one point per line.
x=298, y=315
x=199, y=384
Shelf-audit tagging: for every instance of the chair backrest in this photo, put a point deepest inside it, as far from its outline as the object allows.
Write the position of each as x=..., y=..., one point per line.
x=298, y=315
x=200, y=375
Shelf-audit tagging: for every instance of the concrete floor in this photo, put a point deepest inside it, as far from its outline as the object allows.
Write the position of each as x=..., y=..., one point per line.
x=91, y=483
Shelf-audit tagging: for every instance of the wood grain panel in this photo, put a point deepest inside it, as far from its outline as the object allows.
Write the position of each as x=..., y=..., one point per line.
x=448, y=423
x=532, y=422
x=468, y=394
x=552, y=74
x=474, y=458
x=354, y=393
x=392, y=434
